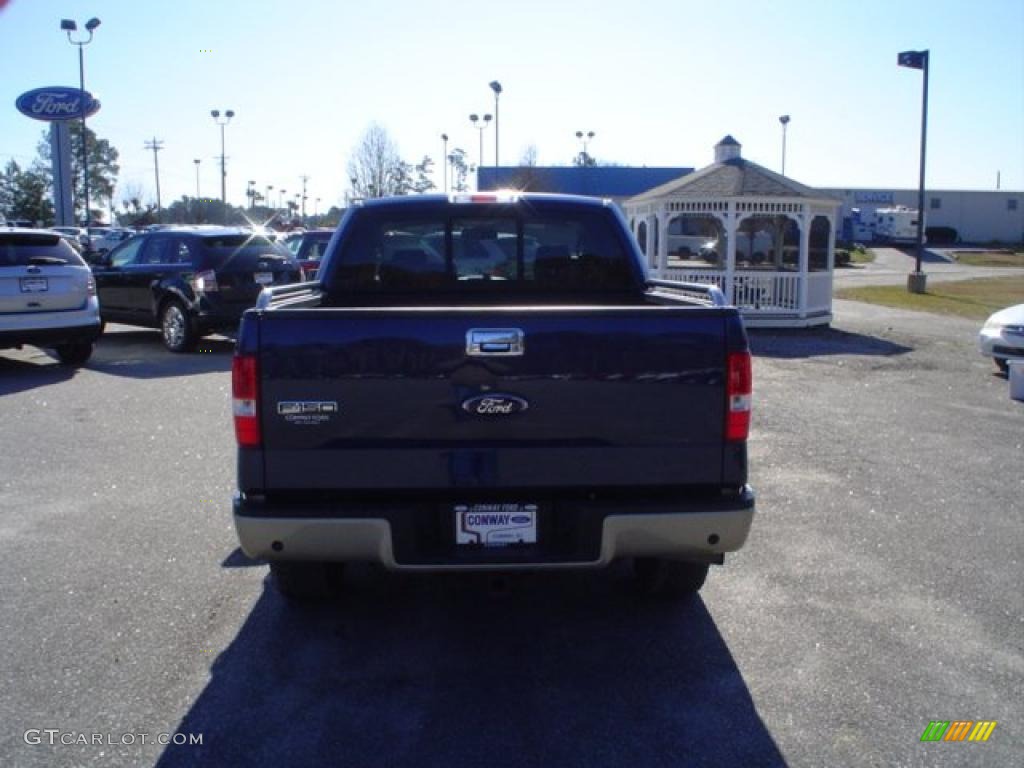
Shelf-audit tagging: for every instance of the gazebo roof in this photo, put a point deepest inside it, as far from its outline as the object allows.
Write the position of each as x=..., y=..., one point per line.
x=731, y=176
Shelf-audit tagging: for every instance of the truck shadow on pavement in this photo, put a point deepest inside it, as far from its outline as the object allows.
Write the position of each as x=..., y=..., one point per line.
x=818, y=342
x=446, y=670
x=142, y=355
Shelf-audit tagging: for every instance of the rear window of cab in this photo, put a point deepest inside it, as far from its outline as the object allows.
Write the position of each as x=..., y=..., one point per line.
x=473, y=249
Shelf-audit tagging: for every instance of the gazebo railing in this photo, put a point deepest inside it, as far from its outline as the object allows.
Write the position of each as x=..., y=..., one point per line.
x=707, y=276
x=763, y=292
x=767, y=291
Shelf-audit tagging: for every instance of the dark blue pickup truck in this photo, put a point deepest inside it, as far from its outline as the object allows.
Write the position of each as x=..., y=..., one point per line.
x=490, y=382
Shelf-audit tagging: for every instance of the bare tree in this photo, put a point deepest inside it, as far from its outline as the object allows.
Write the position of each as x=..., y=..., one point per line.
x=375, y=168
x=529, y=158
x=128, y=193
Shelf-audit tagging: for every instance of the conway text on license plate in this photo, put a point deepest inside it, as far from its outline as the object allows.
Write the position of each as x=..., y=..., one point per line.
x=495, y=525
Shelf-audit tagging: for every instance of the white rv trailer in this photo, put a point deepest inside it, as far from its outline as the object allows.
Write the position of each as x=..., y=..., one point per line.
x=895, y=225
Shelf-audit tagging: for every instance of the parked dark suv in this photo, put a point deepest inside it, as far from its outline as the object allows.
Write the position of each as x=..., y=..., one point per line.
x=189, y=282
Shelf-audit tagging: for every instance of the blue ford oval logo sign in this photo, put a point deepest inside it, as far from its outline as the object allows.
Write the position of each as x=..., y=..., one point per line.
x=494, y=405
x=57, y=103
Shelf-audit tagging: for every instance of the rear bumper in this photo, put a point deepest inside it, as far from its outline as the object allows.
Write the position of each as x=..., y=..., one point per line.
x=656, y=531
x=51, y=328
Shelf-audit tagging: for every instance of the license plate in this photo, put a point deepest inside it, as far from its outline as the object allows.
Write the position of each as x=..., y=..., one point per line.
x=34, y=285
x=495, y=525
x=264, y=278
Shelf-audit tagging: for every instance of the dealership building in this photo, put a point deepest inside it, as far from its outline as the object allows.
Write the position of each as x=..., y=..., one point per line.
x=976, y=216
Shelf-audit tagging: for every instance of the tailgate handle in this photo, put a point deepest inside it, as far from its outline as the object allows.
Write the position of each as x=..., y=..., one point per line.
x=495, y=342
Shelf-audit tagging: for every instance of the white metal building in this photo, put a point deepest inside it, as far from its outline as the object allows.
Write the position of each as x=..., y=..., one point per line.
x=978, y=216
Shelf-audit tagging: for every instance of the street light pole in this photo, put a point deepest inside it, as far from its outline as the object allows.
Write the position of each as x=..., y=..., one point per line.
x=444, y=140
x=917, y=282
x=784, y=119
x=223, y=168
x=585, y=138
x=480, y=125
x=69, y=26
x=496, y=87
x=196, y=161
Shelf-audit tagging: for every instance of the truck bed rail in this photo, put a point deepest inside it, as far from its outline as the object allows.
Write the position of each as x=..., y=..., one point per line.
x=289, y=295
x=708, y=294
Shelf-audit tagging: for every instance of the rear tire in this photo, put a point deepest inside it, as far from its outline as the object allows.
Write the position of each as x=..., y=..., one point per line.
x=306, y=582
x=75, y=353
x=1002, y=365
x=669, y=578
x=176, y=328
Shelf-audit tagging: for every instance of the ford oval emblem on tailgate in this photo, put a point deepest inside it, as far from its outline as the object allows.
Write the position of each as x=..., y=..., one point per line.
x=495, y=405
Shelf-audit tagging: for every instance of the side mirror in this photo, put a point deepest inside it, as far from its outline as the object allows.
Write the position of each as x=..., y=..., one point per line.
x=99, y=259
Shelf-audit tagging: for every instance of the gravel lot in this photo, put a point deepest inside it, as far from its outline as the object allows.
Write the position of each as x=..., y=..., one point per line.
x=880, y=588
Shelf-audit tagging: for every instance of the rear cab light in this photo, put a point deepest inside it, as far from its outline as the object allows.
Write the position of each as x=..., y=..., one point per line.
x=245, y=375
x=738, y=396
x=500, y=196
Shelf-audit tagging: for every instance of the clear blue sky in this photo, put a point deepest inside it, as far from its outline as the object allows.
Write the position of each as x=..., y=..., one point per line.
x=658, y=81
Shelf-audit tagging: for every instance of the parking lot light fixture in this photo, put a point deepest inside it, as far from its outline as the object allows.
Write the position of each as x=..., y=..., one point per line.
x=496, y=87
x=784, y=119
x=215, y=114
x=585, y=139
x=917, y=282
x=69, y=26
x=480, y=124
x=444, y=154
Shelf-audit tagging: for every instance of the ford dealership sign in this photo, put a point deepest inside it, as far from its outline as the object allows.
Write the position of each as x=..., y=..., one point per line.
x=57, y=103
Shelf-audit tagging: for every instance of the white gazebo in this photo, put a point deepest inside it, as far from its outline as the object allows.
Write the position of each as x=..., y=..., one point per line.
x=767, y=241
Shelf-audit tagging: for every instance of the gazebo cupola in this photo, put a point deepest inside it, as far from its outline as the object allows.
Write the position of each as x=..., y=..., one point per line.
x=767, y=241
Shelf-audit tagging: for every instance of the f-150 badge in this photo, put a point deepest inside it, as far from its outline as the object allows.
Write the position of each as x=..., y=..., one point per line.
x=306, y=411
x=494, y=405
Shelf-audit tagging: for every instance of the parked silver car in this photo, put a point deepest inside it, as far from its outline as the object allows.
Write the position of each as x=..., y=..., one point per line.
x=47, y=295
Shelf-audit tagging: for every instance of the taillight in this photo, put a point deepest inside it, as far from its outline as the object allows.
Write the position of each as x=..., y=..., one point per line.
x=90, y=285
x=205, y=282
x=739, y=387
x=245, y=400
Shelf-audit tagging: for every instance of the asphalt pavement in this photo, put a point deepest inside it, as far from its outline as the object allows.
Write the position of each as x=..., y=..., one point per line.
x=880, y=588
x=892, y=265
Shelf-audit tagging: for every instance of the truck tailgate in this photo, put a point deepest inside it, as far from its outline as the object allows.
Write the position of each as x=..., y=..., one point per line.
x=355, y=399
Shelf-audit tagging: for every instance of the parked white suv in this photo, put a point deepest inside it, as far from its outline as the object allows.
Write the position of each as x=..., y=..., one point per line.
x=47, y=295
x=110, y=239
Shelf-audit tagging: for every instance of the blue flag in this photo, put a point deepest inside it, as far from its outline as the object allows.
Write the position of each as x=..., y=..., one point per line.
x=913, y=59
